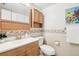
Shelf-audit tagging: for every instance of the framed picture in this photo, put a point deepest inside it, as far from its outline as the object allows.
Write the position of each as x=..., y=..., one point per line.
x=72, y=15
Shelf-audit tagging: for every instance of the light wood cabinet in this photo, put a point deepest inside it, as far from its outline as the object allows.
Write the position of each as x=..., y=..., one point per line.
x=36, y=18
x=41, y=18
x=6, y=25
x=31, y=49
x=14, y=52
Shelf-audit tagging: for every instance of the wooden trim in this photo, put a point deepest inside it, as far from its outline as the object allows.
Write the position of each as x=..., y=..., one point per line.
x=30, y=18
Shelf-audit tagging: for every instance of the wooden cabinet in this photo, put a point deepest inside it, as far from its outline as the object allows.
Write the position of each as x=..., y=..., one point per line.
x=41, y=18
x=6, y=25
x=31, y=49
x=36, y=18
x=14, y=52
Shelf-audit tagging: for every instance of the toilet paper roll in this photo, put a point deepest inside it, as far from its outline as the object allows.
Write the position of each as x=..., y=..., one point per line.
x=57, y=43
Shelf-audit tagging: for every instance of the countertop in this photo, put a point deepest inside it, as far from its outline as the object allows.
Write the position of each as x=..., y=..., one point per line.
x=16, y=43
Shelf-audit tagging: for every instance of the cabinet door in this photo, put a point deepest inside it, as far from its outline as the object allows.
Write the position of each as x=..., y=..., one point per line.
x=40, y=17
x=36, y=16
x=15, y=52
x=32, y=49
x=33, y=52
x=5, y=14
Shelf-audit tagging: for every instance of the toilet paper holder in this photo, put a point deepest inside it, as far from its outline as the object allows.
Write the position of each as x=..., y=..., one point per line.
x=57, y=43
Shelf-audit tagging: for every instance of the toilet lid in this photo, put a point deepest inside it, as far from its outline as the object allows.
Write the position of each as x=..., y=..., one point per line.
x=48, y=50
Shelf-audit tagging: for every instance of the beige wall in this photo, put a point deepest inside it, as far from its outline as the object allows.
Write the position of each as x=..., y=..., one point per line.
x=65, y=48
x=55, y=19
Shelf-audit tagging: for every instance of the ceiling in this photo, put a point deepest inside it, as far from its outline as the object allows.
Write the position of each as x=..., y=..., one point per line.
x=41, y=6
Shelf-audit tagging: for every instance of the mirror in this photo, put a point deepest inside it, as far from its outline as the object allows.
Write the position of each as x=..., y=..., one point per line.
x=14, y=12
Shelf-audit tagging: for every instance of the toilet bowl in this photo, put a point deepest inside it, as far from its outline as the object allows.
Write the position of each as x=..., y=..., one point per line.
x=46, y=49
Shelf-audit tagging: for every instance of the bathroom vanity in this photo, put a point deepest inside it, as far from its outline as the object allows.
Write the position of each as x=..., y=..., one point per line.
x=22, y=47
x=14, y=19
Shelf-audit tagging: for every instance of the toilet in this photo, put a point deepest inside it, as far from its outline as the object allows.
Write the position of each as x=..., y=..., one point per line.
x=46, y=49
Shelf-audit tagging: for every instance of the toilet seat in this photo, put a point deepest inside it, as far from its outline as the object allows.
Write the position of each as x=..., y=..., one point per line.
x=47, y=50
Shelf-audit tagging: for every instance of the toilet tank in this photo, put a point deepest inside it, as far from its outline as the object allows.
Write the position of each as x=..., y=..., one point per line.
x=41, y=40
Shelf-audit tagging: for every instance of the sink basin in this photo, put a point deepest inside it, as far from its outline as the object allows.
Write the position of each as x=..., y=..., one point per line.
x=2, y=40
x=7, y=39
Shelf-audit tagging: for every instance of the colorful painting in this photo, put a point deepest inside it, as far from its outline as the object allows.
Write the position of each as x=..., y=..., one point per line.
x=72, y=15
